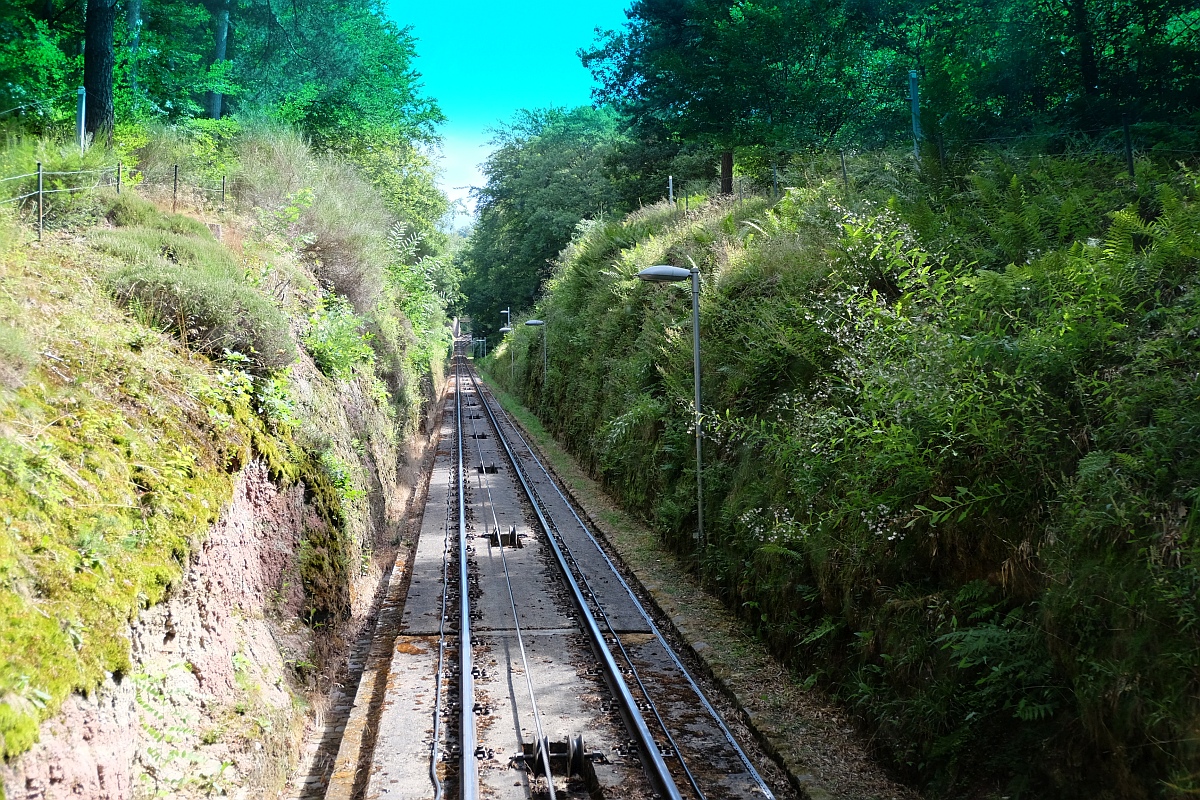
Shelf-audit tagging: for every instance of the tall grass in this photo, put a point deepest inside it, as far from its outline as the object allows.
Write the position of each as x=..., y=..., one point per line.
x=324, y=206
x=176, y=276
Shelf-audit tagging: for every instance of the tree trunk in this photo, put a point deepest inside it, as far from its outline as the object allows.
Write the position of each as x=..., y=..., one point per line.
x=98, y=62
x=727, y=172
x=133, y=20
x=221, y=42
x=1089, y=70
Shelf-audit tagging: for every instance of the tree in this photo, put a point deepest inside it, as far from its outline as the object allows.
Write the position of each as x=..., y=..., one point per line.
x=98, y=60
x=748, y=74
x=220, y=10
x=35, y=68
x=547, y=174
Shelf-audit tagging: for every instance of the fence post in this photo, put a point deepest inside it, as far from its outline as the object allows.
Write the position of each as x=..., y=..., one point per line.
x=671, y=188
x=845, y=175
x=175, y=191
x=39, y=200
x=80, y=106
x=118, y=177
x=1128, y=145
x=222, y=191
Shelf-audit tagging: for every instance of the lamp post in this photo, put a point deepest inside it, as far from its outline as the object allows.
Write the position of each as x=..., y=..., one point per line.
x=545, y=358
x=512, y=359
x=663, y=273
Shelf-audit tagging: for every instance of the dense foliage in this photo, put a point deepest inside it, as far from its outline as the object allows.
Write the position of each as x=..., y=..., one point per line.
x=951, y=462
x=546, y=174
x=792, y=72
x=341, y=73
x=181, y=360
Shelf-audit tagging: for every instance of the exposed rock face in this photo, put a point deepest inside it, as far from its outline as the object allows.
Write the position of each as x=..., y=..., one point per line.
x=207, y=702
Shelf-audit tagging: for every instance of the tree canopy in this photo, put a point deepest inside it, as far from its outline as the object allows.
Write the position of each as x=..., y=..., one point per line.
x=338, y=70
x=546, y=174
x=785, y=73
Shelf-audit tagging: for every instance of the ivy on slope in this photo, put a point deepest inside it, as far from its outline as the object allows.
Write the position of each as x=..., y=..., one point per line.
x=952, y=455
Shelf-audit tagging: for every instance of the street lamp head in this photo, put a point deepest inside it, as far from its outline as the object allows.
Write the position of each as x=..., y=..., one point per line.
x=663, y=273
x=534, y=322
x=505, y=329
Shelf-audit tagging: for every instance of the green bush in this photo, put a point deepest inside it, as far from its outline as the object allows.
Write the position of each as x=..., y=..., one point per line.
x=324, y=204
x=337, y=339
x=190, y=286
x=951, y=458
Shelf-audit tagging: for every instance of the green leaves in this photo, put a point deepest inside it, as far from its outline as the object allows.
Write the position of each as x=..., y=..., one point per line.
x=547, y=175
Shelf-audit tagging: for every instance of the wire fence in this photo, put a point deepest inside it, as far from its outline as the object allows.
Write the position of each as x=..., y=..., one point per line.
x=117, y=177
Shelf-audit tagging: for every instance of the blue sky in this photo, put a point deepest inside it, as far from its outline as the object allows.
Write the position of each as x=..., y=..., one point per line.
x=483, y=61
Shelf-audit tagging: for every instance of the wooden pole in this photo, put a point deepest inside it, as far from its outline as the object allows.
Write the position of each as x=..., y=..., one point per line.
x=175, y=191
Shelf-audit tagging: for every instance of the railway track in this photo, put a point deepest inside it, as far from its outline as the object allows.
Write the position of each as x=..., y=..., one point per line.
x=524, y=665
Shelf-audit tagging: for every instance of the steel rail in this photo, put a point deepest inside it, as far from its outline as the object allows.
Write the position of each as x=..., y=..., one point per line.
x=435, y=744
x=468, y=772
x=649, y=620
x=687, y=771
x=657, y=770
x=729, y=737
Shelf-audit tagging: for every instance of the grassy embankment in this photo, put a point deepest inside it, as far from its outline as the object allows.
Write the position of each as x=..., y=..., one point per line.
x=142, y=363
x=952, y=453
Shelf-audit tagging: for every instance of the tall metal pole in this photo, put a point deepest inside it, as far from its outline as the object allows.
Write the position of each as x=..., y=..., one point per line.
x=916, y=114
x=545, y=360
x=696, y=376
x=671, y=188
x=80, y=108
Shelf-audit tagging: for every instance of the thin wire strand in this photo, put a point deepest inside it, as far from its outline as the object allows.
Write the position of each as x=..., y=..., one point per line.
x=81, y=171
x=434, y=746
x=624, y=653
x=17, y=199
x=33, y=103
x=18, y=177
